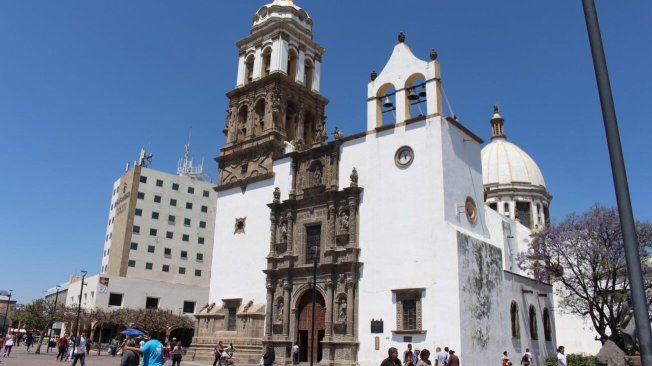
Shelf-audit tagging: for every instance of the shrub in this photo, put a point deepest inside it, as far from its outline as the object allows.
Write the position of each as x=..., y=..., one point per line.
x=573, y=360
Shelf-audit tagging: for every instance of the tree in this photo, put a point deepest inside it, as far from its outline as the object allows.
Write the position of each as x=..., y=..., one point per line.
x=584, y=257
x=40, y=314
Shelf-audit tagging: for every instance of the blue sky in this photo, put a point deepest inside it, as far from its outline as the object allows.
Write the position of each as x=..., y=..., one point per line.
x=85, y=84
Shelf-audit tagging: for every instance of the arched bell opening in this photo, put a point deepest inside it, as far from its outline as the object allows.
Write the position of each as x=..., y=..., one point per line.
x=249, y=69
x=259, y=120
x=290, y=122
x=308, y=72
x=267, y=62
x=386, y=105
x=415, y=96
x=241, y=125
x=309, y=128
x=293, y=58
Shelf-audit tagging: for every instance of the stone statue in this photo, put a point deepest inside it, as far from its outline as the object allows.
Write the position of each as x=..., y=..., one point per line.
x=341, y=316
x=277, y=195
x=354, y=178
x=317, y=175
x=284, y=230
x=344, y=221
x=279, y=311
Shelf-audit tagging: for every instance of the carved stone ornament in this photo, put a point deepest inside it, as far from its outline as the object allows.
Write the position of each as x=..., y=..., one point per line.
x=373, y=75
x=277, y=195
x=240, y=224
x=433, y=54
x=354, y=178
x=284, y=231
x=341, y=313
x=337, y=134
x=344, y=221
x=401, y=37
x=279, y=310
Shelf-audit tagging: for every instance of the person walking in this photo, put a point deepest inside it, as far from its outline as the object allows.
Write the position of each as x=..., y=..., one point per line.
x=71, y=348
x=526, y=360
x=506, y=361
x=62, y=345
x=114, y=346
x=408, y=352
x=561, y=357
x=29, y=341
x=392, y=358
x=9, y=344
x=440, y=357
x=269, y=356
x=80, y=350
x=129, y=357
x=177, y=354
x=295, y=354
x=218, y=353
x=453, y=360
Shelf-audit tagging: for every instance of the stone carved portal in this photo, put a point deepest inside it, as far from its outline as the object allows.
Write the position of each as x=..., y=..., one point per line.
x=305, y=326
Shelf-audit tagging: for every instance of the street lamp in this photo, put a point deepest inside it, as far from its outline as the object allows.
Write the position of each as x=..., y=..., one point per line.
x=315, y=255
x=81, y=290
x=4, y=322
x=54, y=309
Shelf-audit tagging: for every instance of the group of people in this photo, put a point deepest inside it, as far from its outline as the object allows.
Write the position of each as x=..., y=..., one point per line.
x=223, y=355
x=447, y=357
x=527, y=360
x=152, y=351
x=73, y=348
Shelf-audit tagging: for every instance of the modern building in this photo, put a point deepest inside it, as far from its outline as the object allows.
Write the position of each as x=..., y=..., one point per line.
x=391, y=221
x=7, y=308
x=56, y=295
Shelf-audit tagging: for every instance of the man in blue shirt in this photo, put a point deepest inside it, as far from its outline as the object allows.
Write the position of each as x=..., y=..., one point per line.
x=152, y=352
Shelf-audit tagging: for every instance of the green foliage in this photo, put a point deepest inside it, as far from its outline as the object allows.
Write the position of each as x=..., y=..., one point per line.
x=573, y=360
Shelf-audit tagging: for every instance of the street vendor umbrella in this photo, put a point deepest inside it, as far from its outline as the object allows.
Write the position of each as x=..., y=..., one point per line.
x=132, y=332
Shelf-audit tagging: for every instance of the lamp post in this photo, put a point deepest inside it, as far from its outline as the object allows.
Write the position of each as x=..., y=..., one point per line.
x=54, y=309
x=81, y=290
x=4, y=322
x=315, y=255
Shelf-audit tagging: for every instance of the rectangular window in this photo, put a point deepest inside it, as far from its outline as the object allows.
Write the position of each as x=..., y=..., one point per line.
x=136, y=229
x=159, y=183
x=149, y=266
x=133, y=246
x=204, y=208
x=173, y=202
x=184, y=254
x=200, y=240
x=167, y=252
x=115, y=299
x=186, y=222
x=202, y=224
x=198, y=273
x=200, y=257
x=151, y=303
x=157, y=199
x=152, y=232
x=191, y=190
x=185, y=237
x=408, y=309
x=182, y=270
x=188, y=307
x=175, y=187
x=171, y=219
x=141, y=195
x=143, y=179
x=139, y=212
x=409, y=314
x=155, y=215
x=313, y=242
x=151, y=249
x=131, y=263
x=231, y=323
x=165, y=268
x=206, y=193
x=189, y=205
x=169, y=235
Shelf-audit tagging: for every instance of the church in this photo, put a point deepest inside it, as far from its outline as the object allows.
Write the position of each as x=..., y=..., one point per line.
x=299, y=204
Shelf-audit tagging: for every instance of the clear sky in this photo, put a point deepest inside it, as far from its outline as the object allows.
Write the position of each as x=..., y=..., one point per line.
x=85, y=84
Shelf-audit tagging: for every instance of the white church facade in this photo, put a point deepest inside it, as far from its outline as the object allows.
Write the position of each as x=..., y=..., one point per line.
x=406, y=249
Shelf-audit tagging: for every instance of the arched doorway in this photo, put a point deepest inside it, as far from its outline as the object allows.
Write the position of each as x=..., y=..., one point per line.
x=305, y=326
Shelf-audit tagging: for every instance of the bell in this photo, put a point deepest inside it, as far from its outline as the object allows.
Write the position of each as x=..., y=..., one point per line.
x=412, y=95
x=422, y=93
x=388, y=103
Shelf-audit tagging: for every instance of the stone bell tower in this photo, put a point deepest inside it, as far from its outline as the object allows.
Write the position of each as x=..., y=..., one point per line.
x=276, y=106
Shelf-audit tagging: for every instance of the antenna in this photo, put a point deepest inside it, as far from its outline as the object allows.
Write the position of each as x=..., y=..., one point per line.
x=144, y=159
x=185, y=166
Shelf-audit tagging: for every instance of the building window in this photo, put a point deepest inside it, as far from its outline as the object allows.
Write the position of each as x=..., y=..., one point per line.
x=141, y=195
x=152, y=232
x=169, y=235
x=136, y=229
x=151, y=249
x=184, y=254
x=151, y=303
x=143, y=179
x=185, y=237
x=171, y=219
x=513, y=316
x=133, y=246
x=131, y=263
x=155, y=215
x=175, y=186
x=173, y=202
x=188, y=307
x=202, y=224
x=408, y=310
x=313, y=240
x=506, y=208
x=157, y=198
x=534, y=334
x=200, y=257
x=182, y=270
x=115, y=299
x=149, y=266
x=167, y=252
x=231, y=323
x=198, y=273
x=166, y=268
x=493, y=206
x=186, y=222
x=138, y=212
x=204, y=208
x=200, y=240
x=191, y=190
x=547, y=326
x=189, y=205
x=159, y=183
x=206, y=193
x=523, y=214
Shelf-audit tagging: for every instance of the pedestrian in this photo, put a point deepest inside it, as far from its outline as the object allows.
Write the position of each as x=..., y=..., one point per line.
x=227, y=355
x=71, y=348
x=424, y=357
x=526, y=360
x=269, y=356
x=392, y=358
x=52, y=343
x=417, y=356
x=167, y=347
x=9, y=344
x=129, y=357
x=440, y=357
x=295, y=354
x=152, y=352
x=410, y=361
x=561, y=357
x=407, y=352
x=114, y=346
x=29, y=341
x=177, y=354
x=453, y=360
x=62, y=345
x=506, y=361
x=80, y=350
x=218, y=353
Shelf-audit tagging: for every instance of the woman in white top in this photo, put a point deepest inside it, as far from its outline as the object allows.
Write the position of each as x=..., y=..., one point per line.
x=9, y=343
x=561, y=357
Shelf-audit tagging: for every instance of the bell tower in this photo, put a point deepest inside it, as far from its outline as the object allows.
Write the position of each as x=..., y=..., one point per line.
x=275, y=106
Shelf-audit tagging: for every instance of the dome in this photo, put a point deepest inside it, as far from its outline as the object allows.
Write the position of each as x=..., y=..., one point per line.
x=506, y=163
x=282, y=9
